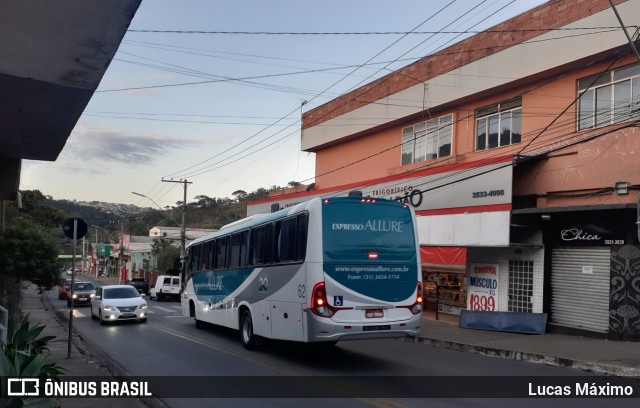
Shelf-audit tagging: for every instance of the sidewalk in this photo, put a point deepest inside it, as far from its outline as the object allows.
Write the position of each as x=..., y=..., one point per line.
x=617, y=358
x=587, y=354
x=85, y=360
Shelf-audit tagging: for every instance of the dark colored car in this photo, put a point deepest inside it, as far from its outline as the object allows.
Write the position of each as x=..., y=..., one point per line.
x=140, y=284
x=83, y=292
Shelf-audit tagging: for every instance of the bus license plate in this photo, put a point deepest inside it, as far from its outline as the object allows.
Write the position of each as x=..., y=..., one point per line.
x=373, y=313
x=376, y=328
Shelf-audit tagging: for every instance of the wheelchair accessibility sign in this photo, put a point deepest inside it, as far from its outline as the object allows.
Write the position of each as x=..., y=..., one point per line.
x=338, y=301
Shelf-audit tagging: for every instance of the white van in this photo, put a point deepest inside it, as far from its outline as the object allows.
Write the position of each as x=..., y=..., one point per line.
x=166, y=287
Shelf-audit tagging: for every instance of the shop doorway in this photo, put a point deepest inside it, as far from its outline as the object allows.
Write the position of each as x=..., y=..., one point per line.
x=580, y=288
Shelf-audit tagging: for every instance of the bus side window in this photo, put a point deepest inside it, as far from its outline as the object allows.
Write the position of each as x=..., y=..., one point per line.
x=257, y=246
x=244, y=248
x=221, y=252
x=196, y=256
x=211, y=255
x=277, y=241
x=205, y=256
x=268, y=244
x=287, y=240
x=301, y=237
x=190, y=269
x=234, y=251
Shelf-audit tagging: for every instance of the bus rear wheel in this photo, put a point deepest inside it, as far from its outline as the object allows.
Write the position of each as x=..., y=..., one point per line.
x=247, y=336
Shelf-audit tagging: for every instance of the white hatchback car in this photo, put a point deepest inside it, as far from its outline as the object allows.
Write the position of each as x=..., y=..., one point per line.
x=118, y=302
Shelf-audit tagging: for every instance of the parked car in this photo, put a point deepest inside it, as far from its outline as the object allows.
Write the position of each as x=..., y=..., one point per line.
x=118, y=302
x=83, y=292
x=64, y=288
x=166, y=287
x=140, y=284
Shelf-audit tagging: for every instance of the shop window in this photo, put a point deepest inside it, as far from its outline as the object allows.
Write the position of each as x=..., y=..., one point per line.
x=610, y=98
x=499, y=125
x=427, y=140
x=446, y=290
x=521, y=286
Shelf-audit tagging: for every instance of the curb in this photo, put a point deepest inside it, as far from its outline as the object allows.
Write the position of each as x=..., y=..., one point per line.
x=586, y=366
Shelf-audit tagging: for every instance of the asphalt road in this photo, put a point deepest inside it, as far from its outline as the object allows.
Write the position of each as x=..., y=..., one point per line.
x=170, y=345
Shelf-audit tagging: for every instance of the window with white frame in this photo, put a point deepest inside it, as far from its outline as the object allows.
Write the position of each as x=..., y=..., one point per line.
x=499, y=124
x=613, y=97
x=427, y=140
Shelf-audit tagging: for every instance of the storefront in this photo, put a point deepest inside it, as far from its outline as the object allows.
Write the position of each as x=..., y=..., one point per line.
x=449, y=220
x=594, y=268
x=443, y=274
x=580, y=287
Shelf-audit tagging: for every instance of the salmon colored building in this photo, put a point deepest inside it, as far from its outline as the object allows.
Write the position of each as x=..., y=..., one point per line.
x=519, y=149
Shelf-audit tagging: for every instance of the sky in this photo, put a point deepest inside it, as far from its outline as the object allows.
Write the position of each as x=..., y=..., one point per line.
x=213, y=91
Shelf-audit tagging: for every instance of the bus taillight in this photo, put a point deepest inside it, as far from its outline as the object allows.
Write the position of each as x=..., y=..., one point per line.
x=319, y=304
x=416, y=307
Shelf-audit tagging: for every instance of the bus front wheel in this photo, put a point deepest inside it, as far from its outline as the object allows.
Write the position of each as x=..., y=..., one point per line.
x=247, y=336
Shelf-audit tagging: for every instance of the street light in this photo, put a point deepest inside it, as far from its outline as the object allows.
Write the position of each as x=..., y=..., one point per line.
x=182, y=226
x=157, y=205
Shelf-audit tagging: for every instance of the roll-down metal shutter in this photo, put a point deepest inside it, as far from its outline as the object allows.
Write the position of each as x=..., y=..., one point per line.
x=580, y=288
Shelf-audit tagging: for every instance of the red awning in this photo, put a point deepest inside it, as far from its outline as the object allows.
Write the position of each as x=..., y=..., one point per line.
x=445, y=259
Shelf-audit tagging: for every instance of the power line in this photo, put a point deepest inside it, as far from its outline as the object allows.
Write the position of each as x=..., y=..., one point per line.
x=289, y=135
x=326, y=89
x=309, y=33
x=220, y=164
x=246, y=79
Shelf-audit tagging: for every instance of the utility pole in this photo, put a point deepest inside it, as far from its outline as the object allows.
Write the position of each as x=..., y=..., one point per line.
x=624, y=29
x=183, y=231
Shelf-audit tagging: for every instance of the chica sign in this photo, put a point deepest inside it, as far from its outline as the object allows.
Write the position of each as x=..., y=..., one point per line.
x=589, y=235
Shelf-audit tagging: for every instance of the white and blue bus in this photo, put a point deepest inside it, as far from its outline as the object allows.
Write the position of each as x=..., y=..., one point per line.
x=326, y=270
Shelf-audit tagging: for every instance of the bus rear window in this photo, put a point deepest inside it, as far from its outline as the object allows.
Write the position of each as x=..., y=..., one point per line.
x=353, y=230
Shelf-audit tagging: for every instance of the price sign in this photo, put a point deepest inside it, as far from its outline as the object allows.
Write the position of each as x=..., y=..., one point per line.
x=482, y=290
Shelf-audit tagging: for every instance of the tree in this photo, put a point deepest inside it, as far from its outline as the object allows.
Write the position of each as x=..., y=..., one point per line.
x=44, y=215
x=167, y=256
x=28, y=253
x=28, y=250
x=239, y=195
